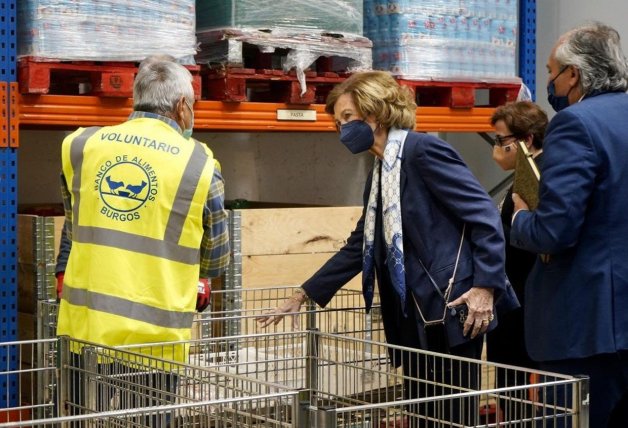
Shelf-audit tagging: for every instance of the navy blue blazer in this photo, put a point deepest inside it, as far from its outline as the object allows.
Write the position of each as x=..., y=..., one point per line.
x=576, y=304
x=438, y=195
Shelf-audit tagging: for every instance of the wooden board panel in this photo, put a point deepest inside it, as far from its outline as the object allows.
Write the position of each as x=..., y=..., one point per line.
x=26, y=245
x=286, y=269
x=296, y=230
x=59, y=221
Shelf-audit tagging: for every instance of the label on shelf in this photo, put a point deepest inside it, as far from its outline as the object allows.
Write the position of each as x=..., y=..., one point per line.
x=297, y=115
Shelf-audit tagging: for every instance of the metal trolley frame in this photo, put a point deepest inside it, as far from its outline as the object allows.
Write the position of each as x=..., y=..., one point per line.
x=347, y=381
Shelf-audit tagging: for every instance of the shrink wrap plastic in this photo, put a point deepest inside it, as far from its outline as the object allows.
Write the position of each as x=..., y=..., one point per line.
x=455, y=40
x=342, y=16
x=106, y=30
x=305, y=29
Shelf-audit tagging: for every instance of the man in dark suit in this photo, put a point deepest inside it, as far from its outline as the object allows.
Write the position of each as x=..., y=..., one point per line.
x=576, y=322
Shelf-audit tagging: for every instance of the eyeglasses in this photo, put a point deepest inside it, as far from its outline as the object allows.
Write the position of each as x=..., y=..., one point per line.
x=499, y=139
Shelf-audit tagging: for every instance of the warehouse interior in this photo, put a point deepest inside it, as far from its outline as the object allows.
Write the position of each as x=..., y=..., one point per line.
x=288, y=170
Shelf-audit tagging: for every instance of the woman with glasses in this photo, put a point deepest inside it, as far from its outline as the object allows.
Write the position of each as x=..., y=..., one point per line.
x=520, y=121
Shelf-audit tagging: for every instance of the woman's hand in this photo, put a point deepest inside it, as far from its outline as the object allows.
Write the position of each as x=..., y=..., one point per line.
x=291, y=305
x=479, y=301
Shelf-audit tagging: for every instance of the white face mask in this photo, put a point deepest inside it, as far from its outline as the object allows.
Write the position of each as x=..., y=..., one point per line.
x=187, y=132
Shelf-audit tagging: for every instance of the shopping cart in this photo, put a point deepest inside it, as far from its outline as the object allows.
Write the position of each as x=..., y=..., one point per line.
x=348, y=381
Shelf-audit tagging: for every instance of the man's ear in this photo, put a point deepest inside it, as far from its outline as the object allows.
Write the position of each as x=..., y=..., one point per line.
x=574, y=75
x=179, y=107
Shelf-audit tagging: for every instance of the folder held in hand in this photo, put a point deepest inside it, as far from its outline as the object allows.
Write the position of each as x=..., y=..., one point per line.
x=527, y=177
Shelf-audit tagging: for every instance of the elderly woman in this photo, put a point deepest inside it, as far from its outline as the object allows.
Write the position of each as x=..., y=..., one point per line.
x=426, y=221
x=525, y=122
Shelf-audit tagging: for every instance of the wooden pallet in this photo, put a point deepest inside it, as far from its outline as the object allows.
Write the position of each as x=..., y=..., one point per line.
x=267, y=49
x=107, y=79
x=460, y=94
x=268, y=85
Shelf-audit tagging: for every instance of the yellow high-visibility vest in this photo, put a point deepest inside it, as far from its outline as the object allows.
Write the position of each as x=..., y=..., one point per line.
x=138, y=191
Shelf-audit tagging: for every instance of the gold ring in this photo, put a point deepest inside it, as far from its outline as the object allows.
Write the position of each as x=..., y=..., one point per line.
x=485, y=322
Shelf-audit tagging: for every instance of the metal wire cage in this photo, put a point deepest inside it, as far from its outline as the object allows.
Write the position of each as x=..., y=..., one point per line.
x=105, y=386
x=231, y=312
x=234, y=312
x=324, y=380
x=348, y=381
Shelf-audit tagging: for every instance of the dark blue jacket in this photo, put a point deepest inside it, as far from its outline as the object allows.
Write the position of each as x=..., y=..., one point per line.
x=438, y=195
x=576, y=304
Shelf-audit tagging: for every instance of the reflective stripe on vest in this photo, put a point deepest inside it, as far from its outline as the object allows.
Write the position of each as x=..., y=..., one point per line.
x=126, y=308
x=167, y=249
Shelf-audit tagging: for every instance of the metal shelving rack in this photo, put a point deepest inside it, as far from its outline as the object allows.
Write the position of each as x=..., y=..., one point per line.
x=8, y=204
x=68, y=112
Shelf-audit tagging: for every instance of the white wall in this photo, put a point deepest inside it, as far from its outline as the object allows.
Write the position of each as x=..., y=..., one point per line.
x=554, y=17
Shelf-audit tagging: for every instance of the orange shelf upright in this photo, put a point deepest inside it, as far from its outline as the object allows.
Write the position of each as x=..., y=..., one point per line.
x=72, y=111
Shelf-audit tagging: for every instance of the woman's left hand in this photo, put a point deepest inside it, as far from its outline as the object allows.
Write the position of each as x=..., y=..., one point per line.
x=479, y=301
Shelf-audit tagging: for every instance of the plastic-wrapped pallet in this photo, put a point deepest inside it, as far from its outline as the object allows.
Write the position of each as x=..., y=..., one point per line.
x=455, y=40
x=106, y=30
x=341, y=16
x=303, y=30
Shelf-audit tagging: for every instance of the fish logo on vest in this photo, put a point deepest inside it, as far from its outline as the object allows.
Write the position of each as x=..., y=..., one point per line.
x=125, y=186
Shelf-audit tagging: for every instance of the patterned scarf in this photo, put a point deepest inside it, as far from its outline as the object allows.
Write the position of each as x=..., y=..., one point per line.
x=391, y=209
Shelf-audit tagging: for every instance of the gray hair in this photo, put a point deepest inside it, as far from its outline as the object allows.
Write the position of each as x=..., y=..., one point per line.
x=159, y=85
x=156, y=58
x=595, y=50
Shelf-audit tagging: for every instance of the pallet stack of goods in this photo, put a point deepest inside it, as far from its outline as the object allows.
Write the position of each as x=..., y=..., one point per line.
x=295, y=46
x=72, y=47
x=438, y=42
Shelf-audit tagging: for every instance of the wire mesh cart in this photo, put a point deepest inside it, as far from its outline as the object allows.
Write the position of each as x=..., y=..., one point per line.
x=231, y=312
x=347, y=381
x=104, y=386
x=234, y=312
x=321, y=380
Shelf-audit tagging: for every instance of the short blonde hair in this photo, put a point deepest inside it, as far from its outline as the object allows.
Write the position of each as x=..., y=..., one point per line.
x=377, y=93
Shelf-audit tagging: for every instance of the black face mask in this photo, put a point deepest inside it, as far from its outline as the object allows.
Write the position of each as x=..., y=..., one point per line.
x=558, y=102
x=357, y=136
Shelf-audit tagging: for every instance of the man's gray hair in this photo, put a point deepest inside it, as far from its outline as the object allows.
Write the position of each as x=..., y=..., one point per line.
x=156, y=58
x=595, y=50
x=159, y=85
